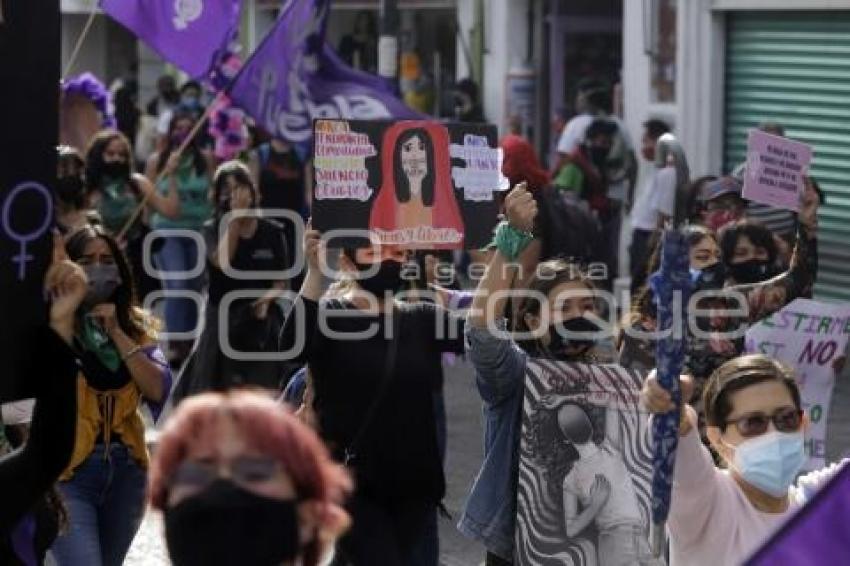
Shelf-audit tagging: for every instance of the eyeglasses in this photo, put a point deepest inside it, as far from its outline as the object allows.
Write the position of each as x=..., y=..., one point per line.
x=786, y=419
x=245, y=471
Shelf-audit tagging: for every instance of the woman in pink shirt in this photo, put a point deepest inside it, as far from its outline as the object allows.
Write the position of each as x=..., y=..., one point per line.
x=756, y=424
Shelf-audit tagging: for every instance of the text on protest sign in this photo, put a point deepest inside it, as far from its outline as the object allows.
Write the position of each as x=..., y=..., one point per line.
x=775, y=170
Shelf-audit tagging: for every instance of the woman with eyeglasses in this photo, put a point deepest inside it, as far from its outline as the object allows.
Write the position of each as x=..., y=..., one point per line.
x=756, y=424
x=242, y=481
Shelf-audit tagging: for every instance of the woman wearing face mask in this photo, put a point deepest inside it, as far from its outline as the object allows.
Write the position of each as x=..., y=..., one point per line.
x=72, y=211
x=121, y=365
x=567, y=300
x=245, y=243
x=636, y=346
x=181, y=202
x=241, y=481
x=374, y=363
x=115, y=191
x=756, y=424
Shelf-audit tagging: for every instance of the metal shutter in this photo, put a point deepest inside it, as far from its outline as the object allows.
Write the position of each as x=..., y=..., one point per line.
x=794, y=68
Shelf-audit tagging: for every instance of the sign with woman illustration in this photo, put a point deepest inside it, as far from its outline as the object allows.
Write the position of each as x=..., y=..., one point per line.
x=413, y=184
x=585, y=467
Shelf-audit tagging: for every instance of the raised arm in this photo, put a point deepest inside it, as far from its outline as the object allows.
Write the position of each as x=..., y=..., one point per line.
x=169, y=204
x=301, y=322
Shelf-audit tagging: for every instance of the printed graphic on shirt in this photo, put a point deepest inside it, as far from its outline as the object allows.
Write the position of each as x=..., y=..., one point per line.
x=585, y=467
x=413, y=184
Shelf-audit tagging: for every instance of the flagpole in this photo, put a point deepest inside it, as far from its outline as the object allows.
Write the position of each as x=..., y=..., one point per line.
x=194, y=132
x=80, y=40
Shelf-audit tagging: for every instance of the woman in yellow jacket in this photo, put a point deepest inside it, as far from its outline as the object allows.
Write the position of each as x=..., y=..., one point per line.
x=121, y=365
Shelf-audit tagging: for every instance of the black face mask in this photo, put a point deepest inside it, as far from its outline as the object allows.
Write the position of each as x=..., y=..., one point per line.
x=562, y=347
x=226, y=525
x=70, y=189
x=103, y=281
x=599, y=156
x=752, y=271
x=116, y=169
x=711, y=277
x=387, y=279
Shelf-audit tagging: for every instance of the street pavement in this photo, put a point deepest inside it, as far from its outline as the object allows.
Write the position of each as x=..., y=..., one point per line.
x=464, y=454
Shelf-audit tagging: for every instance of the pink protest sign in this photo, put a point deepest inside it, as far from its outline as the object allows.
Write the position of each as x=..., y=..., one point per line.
x=775, y=170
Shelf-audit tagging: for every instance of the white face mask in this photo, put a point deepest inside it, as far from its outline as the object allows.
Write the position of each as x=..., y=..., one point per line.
x=770, y=462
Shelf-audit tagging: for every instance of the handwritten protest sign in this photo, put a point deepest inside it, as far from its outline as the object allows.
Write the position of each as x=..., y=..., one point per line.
x=586, y=443
x=414, y=184
x=29, y=106
x=808, y=336
x=775, y=170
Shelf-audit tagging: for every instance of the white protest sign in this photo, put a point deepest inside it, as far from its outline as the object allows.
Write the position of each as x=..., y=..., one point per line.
x=808, y=336
x=775, y=170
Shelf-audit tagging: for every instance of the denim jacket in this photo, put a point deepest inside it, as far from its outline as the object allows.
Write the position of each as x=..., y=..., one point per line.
x=490, y=513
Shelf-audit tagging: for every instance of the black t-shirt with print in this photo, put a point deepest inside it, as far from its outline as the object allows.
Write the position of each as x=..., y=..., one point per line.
x=264, y=251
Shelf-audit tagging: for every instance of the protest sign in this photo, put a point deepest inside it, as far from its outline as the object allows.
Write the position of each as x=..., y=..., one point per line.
x=775, y=170
x=808, y=336
x=817, y=534
x=414, y=184
x=585, y=443
x=29, y=107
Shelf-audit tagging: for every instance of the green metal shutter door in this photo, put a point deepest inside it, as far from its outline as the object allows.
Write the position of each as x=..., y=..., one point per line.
x=794, y=68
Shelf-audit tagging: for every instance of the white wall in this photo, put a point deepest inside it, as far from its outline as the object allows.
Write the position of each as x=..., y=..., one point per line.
x=505, y=42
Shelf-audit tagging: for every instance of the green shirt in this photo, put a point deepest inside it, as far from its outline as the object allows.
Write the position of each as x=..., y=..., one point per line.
x=193, y=192
x=117, y=203
x=569, y=178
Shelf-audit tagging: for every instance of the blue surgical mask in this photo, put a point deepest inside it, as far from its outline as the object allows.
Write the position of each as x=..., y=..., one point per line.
x=771, y=461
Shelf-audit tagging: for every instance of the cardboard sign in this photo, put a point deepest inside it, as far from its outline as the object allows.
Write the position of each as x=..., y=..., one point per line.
x=413, y=184
x=775, y=170
x=808, y=336
x=29, y=108
x=585, y=443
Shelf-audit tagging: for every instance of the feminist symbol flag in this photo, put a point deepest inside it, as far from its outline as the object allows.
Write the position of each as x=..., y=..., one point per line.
x=191, y=34
x=294, y=77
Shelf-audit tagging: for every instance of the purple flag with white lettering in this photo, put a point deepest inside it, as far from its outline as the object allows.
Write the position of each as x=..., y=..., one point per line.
x=191, y=34
x=294, y=77
x=818, y=534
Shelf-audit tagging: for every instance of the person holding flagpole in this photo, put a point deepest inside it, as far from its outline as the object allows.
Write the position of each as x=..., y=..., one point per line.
x=181, y=202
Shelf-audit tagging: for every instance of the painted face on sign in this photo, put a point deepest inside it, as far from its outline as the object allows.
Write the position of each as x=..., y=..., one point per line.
x=414, y=159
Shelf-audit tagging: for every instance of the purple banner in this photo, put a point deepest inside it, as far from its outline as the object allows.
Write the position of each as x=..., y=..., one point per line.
x=191, y=34
x=294, y=77
x=818, y=534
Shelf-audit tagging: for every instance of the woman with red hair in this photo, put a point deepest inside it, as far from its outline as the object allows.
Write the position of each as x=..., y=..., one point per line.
x=241, y=481
x=416, y=207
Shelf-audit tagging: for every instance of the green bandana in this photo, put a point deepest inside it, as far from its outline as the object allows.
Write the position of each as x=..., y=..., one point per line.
x=510, y=241
x=94, y=340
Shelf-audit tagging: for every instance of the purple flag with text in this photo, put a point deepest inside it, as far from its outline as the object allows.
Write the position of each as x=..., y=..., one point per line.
x=192, y=34
x=294, y=77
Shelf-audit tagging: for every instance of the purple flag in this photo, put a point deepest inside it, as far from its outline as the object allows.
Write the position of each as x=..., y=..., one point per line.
x=818, y=534
x=191, y=34
x=294, y=77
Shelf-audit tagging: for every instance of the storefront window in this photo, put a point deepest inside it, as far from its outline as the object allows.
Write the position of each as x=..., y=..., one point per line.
x=661, y=48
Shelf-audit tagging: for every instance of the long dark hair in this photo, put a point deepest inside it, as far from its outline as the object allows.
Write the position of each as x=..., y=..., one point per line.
x=198, y=159
x=547, y=276
x=129, y=317
x=94, y=158
x=240, y=173
x=402, y=185
x=759, y=235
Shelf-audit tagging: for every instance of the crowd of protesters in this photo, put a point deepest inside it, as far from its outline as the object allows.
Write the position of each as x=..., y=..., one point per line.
x=349, y=469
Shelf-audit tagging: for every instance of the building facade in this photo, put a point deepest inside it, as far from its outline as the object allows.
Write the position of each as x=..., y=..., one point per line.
x=738, y=63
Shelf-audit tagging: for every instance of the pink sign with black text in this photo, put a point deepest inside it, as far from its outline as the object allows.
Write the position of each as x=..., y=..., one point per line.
x=775, y=170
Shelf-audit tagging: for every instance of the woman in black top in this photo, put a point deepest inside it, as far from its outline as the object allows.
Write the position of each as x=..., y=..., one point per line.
x=246, y=243
x=27, y=473
x=374, y=362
